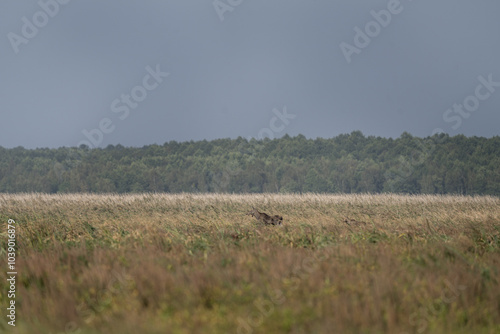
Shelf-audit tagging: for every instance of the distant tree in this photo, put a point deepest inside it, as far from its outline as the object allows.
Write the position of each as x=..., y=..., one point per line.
x=346, y=163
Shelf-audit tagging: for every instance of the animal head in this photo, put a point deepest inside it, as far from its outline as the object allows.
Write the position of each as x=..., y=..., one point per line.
x=253, y=212
x=277, y=220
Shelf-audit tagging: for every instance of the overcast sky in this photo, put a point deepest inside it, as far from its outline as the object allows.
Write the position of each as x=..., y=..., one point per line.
x=95, y=72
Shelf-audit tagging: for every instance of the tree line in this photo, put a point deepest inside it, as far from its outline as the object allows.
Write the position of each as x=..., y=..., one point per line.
x=347, y=163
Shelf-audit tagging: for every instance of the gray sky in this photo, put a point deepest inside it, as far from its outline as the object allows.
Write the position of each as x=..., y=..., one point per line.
x=236, y=69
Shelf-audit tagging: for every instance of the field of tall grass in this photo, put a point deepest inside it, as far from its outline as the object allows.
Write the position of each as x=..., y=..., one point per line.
x=185, y=263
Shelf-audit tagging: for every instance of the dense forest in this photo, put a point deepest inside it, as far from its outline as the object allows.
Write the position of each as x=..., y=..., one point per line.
x=348, y=163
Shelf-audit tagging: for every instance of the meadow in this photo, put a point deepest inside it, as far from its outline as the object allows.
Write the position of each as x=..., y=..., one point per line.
x=189, y=263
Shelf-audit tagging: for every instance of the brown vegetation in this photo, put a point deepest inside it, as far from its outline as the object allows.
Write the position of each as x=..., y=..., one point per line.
x=191, y=263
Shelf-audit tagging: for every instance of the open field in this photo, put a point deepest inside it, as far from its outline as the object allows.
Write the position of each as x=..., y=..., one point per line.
x=157, y=263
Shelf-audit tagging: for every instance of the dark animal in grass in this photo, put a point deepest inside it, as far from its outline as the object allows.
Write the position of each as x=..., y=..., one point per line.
x=350, y=221
x=265, y=218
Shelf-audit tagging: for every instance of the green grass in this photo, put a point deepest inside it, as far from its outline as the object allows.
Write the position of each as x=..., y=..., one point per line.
x=195, y=263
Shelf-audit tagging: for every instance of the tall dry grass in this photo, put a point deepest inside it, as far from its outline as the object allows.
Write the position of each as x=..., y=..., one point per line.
x=186, y=263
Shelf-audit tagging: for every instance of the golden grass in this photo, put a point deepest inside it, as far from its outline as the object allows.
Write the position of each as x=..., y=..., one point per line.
x=188, y=263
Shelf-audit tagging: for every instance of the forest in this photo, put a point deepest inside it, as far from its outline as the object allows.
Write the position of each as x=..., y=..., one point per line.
x=347, y=163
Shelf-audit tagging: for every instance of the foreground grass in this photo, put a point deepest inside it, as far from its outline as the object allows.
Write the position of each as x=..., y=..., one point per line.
x=197, y=264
